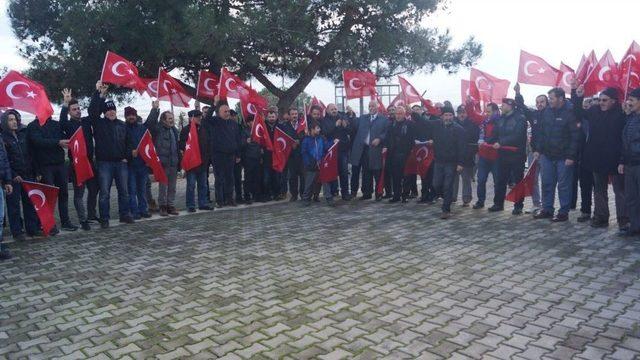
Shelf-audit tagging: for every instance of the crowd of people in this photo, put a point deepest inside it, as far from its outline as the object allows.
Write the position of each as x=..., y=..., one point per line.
x=587, y=141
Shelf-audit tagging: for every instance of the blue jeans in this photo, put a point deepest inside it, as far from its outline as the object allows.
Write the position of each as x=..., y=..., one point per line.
x=1, y=213
x=535, y=196
x=485, y=167
x=555, y=172
x=31, y=224
x=137, y=188
x=107, y=172
x=198, y=177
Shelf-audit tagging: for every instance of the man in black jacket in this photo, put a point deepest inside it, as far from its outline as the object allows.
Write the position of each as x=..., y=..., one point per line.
x=510, y=130
x=271, y=178
x=14, y=136
x=556, y=145
x=399, y=142
x=225, y=145
x=471, y=135
x=630, y=163
x=48, y=144
x=110, y=135
x=602, y=126
x=449, y=150
x=252, y=163
x=337, y=126
x=198, y=175
x=423, y=133
x=71, y=109
x=294, y=171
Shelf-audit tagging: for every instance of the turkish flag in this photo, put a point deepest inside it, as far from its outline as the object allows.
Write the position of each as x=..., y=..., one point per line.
x=487, y=151
x=398, y=100
x=329, y=165
x=21, y=93
x=229, y=84
x=147, y=151
x=525, y=187
x=565, y=75
x=282, y=149
x=44, y=198
x=431, y=109
x=169, y=89
x=151, y=87
x=410, y=94
x=358, y=84
x=78, y=150
x=208, y=84
x=317, y=102
x=381, y=108
x=535, y=70
x=419, y=160
x=191, y=157
x=490, y=88
x=604, y=74
x=251, y=102
x=586, y=67
x=259, y=133
x=302, y=124
x=467, y=88
x=380, y=187
x=630, y=68
x=120, y=71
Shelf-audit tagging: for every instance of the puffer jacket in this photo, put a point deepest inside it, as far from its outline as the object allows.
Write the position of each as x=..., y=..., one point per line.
x=631, y=141
x=17, y=147
x=558, y=136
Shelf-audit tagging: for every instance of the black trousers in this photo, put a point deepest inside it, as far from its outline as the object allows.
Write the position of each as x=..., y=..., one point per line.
x=585, y=177
x=399, y=181
x=252, y=178
x=428, y=192
x=509, y=170
x=223, y=170
x=295, y=175
x=57, y=175
x=237, y=180
x=443, y=176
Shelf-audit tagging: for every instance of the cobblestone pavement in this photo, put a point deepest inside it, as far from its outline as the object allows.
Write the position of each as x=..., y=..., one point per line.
x=363, y=280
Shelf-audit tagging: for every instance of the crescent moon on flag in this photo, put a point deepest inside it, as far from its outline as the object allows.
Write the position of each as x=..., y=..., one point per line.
x=526, y=67
x=259, y=130
x=114, y=68
x=283, y=142
x=153, y=86
x=76, y=147
x=251, y=109
x=206, y=87
x=411, y=91
x=635, y=75
x=39, y=194
x=228, y=83
x=14, y=84
x=480, y=78
x=424, y=150
x=603, y=71
x=565, y=78
x=146, y=151
x=164, y=85
x=630, y=56
x=352, y=85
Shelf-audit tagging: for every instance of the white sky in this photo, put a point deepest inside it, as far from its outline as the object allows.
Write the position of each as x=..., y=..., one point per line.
x=556, y=30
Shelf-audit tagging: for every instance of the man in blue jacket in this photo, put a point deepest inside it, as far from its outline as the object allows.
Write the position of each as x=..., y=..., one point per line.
x=314, y=147
x=630, y=163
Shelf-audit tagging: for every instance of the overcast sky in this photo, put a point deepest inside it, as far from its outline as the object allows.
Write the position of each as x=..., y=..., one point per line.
x=553, y=29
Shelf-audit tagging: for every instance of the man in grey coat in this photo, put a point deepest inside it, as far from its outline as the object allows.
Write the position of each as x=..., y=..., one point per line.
x=366, y=153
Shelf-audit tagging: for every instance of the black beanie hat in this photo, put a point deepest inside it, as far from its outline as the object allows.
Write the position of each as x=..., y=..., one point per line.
x=610, y=92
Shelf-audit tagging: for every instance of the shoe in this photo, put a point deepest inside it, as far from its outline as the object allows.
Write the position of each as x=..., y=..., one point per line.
x=393, y=201
x=171, y=210
x=104, y=224
x=306, y=203
x=516, y=212
x=93, y=219
x=5, y=254
x=387, y=196
x=465, y=204
x=207, y=208
x=346, y=198
x=560, y=218
x=137, y=217
x=478, y=205
x=595, y=223
x=54, y=231
x=533, y=210
x=584, y=217
x=365, y=197
x=146, y=215
x=232, y=203
x=69, y=227
x=543, y=215
x=221, y=205
x=37, y=234
x=404, y=200
x=316, y=199
x=495, y=208
x=293, y=198
x=246, y=202
x=85, y=226
x=423, y=201
x=378, y=197
x=445, y=215
x=19, y=237
x=331, y=203
x=191, y=210
x=127, y=220
x=413, y=195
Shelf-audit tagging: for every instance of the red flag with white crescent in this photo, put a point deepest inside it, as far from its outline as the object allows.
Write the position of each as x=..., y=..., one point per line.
x=44, y=198
x=380, y=187
x=191, y=157
x=251, y=102
x=151, y=87
x=565, y=76
x=208, y=84
x=78, y=150
x=259, y=133
x=302, y=124
x=409, y=91
x=525, y=187
x=229, y=85
x=21, y=93
x=358, y=84
x=147, y=151
x=536, y=71
x=169, y=89
x=490, y=88
x=120, y=71
x=604, y=74
x=282, y=146
x=329, y=165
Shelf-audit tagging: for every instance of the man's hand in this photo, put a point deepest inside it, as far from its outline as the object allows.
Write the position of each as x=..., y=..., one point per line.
x=216, y=100
x=516, y=88
x=536, y=155
x=155, y=104
x=429, y=142
x=66, y=96
x=63, y=143
x=569, y=162
x=335, y=141
x=102, y=88
x=18, y=179
x=197, y=105
x=621, y=169
x=580, y=91
x=573, y=83
x=248, y=140
x=134, y=153
x=375, y=142
x=459, y=168
x=8, y=188
x=496, y=146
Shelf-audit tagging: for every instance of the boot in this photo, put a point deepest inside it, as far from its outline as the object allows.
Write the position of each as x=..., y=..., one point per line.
x=163, y=211
x=171, y=210
x=153, y=205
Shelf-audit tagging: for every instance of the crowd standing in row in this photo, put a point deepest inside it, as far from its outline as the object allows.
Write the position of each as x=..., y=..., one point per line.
x=591, y=141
